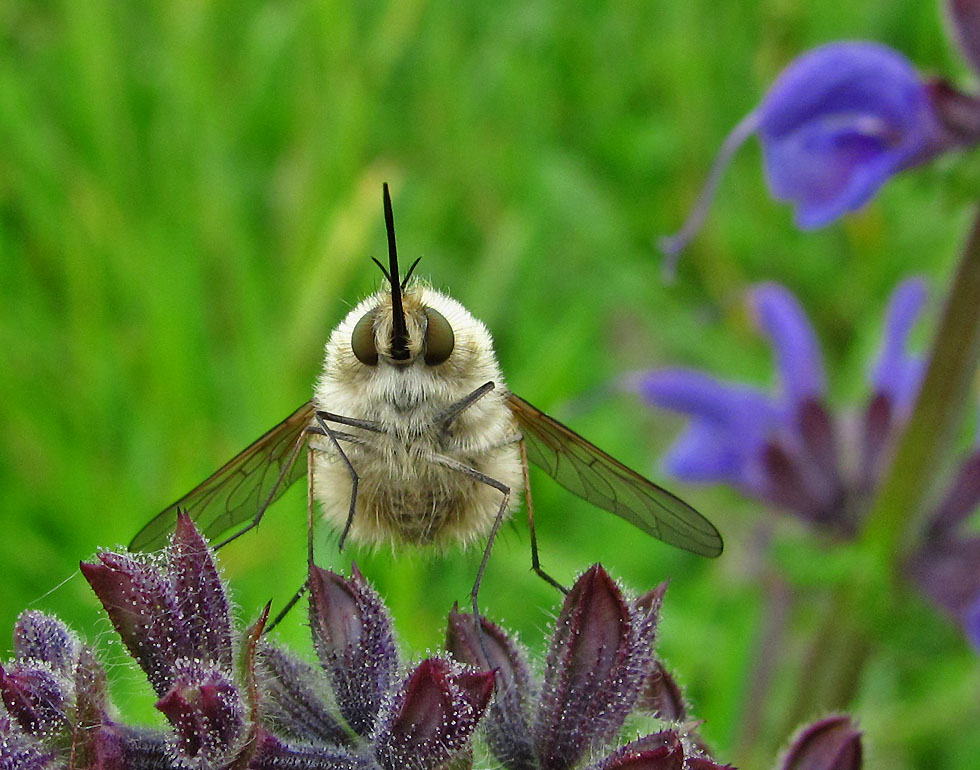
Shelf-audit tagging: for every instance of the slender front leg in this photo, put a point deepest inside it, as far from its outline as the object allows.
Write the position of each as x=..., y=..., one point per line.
x=451, y=412
x=326, y=431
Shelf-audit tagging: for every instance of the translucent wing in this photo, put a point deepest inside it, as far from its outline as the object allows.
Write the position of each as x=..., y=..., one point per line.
x=241, y=489
x=585, y=470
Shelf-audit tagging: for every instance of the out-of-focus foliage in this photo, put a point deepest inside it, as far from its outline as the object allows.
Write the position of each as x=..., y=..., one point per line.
x=189, y=197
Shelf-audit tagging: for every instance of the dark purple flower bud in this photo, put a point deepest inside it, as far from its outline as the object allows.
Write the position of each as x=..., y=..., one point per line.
x=168, y=611
x=432, y=716
x=598, y=657
x=44, y=638
x=90, y=723
x=206, y=711
x=36, y=698
x=652, y=601
x=290, y=699
x=507, y=728
x=353, y=637
x=141, y=605
x=662, y=696
x=659, y=751
x=838, y=122
x=201, y=600
x=832, y=743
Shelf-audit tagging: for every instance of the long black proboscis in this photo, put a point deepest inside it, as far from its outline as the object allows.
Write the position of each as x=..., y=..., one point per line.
x=399, y=333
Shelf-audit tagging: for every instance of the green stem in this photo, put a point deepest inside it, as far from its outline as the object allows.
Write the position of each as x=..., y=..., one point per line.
x=899, y=511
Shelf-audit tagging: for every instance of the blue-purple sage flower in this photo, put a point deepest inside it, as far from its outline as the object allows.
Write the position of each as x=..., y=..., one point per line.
x=786, y=448
x=837, y=124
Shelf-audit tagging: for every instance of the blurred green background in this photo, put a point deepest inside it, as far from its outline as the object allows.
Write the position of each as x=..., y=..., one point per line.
x=189, y=196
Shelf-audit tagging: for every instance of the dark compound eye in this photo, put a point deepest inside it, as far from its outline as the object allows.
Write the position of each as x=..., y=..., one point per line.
x=362, y=340
x=439, y=338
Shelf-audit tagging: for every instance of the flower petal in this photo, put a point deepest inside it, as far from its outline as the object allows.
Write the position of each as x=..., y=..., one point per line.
x=837, y=123
x=730, y=423
x=781, y=316
x=897, y=374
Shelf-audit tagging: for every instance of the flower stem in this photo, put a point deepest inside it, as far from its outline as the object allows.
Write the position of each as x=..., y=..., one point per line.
x=899, y=511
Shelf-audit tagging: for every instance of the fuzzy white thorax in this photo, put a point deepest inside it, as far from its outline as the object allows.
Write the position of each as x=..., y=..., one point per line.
x=403, y=497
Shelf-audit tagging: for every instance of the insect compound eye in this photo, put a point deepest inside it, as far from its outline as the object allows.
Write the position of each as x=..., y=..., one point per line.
x=362, y=340
x=439, y=338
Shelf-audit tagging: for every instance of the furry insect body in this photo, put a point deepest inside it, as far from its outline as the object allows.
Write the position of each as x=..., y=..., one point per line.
x=405, y=493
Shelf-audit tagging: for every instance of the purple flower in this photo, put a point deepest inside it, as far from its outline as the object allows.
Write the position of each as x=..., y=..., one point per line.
x=787, y=449
x=837, y=124
x=267, y=709
x=783, y=447
x=600, y=667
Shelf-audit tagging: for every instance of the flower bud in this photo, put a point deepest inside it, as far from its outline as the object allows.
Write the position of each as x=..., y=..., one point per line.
x=353, y=637
x=832, y=743
x=433, y=716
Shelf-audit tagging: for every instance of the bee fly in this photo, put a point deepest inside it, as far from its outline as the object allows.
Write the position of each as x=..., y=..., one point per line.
x=413, y=438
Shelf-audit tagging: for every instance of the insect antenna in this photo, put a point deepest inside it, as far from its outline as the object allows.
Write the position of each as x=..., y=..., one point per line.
x=399, y=332
x=410, y=271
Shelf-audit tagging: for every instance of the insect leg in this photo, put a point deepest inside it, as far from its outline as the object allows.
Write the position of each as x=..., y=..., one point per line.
x=286, y=468
x=483, y=478
x=352, y=421
x=535, y=561
x=301, y=591
x=322, y=425
x=451, y=412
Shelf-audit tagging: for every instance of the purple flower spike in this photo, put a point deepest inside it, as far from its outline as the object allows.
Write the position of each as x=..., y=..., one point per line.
x=787, y=448
x=838, y=123
x=353, y=637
